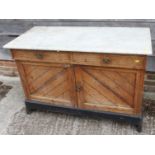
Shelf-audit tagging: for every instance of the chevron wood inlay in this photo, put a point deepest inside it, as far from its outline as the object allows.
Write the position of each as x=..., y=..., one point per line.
x=49, y=83
x=102, y=87
x=83, y=80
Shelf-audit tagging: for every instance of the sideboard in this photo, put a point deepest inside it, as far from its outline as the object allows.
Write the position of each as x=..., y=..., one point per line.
x=95, y=71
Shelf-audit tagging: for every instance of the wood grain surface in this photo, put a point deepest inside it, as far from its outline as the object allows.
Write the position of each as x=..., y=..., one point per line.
x=93, y=59
x=109, y=89
x=51, y=83
x=83, y=80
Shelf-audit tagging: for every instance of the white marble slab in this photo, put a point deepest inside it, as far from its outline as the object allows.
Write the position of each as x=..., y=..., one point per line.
x=119, y=40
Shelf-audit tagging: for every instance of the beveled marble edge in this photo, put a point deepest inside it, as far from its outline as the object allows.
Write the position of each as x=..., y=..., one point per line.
x=124, y=52
x=148, y=51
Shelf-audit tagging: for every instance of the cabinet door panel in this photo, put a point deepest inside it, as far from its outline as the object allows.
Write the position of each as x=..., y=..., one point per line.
x=51, y=83
x=107, y=89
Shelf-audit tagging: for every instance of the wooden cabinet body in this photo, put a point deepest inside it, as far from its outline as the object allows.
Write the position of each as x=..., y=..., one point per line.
x=87, y=81
x=95, y=71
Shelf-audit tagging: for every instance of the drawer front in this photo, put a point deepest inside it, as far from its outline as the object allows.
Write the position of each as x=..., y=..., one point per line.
x=110, y=60
x=42, y=56
x=93, y=59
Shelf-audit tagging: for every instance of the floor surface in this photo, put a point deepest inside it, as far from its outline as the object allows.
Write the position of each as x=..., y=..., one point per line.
x=15, y=121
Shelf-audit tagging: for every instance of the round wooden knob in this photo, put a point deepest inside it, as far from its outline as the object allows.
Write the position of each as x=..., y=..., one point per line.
x=106, y=60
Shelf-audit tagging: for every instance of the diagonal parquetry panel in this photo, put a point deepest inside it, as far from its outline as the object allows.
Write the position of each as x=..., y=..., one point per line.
x=49, y=83
x=108, y=87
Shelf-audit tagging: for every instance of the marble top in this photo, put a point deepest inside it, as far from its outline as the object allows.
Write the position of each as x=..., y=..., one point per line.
x=118, y=40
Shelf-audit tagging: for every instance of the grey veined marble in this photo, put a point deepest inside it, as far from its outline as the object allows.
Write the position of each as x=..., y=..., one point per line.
x=119, y=40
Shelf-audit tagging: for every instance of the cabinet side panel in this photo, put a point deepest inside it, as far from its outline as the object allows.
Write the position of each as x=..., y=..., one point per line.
x=139, y=91
x=139, y=88
x=23, y=79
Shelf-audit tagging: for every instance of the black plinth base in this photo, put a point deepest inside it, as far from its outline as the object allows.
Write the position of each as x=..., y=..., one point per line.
x=35, y=105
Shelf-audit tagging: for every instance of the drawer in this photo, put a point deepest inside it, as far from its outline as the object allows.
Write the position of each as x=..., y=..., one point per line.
x=93, y=59
x=41, y=56
x=109, y=60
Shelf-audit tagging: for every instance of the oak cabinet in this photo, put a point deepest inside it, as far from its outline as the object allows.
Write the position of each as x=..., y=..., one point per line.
x=95, y=71
x=97, y=87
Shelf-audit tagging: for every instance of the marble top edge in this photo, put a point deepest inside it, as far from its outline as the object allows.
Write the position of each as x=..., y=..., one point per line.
x=125, y=52
x=22, y=42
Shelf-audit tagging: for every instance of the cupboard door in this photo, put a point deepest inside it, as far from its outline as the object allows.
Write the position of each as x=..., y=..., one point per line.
x=51, y=83
x=107, y=89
